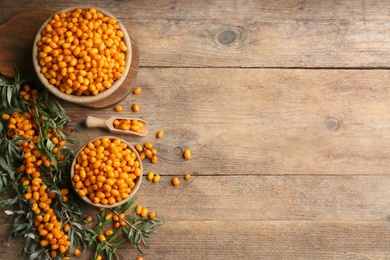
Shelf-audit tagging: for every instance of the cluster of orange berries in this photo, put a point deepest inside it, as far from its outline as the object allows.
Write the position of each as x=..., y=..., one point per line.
x=82, y=52
x=147, y=151
x=106, y=171
x=128, y=125
x=52, y=233
x=143, y=212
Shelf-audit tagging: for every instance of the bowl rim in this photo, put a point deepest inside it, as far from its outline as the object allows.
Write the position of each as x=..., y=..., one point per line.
x=133, y=191
x=82, y=99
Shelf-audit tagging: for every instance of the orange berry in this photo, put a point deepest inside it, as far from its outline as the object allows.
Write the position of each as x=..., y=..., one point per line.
x=76, y=252
x=137, y=90
x=144, y=212
x=187, y=176
x=102, y=238
x=156, y=178
x=175, y=181
x=160, y=134
x=66, y=227
x=118, y=108
x=138, y=209
x=148, y=145
x=152, y=215
x=187, y=154
x=154, y=159
x=5, y=116
x=53, y=253
x=44, y=243
x=135, y=107
x=108, y=232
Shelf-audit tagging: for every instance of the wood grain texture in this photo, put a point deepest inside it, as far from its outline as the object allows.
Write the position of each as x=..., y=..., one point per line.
x=258, y=121
x=263, y=198
x=256, y=34
x=258, y=240
x=16, y=42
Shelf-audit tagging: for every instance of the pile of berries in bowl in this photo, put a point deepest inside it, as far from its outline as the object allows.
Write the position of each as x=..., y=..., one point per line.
x=82, y=55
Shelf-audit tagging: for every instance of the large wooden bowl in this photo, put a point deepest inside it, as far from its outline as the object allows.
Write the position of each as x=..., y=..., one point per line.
x=137, y=180
x=83, y=99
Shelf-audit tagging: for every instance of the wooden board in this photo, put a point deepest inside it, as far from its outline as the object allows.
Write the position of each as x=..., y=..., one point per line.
x=16, y=48
x=285, y=107
x=277, y=34
x=263, y=121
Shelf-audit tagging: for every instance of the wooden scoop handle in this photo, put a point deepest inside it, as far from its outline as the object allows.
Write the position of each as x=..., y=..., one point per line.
x=92, y=122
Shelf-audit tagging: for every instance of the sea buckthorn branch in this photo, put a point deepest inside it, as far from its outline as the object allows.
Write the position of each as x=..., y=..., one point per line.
x=34, y=164
x=33, y=160
x=128, y=229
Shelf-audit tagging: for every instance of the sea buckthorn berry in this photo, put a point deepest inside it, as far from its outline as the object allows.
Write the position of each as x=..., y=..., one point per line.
x=66, y=228
x=154, y=159
x=138, y=147
x=175, y=181
x=187, y=176
x=118, y=108
x=137, y=90
x=138, y=209
x=108, y=232
x=148, y=145
x=53, y=253
x=5, y=116
x=148, y=153
x=44, y=243
x=152, y=215
x=102, y=238
x=65, y=191
x=156, y=178
x=144, y=212
x=140, y=258
x=117, y=225
x=160, y=134
x=89, y=218
x=76, y=252
x=135, y=108
x=187, y=154
x=150, y=176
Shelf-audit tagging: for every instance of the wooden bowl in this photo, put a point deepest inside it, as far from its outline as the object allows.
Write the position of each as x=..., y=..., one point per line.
x=82, y=99
x=137, y=180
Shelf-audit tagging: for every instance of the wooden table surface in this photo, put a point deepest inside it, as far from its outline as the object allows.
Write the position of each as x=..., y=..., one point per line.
x=285, y=106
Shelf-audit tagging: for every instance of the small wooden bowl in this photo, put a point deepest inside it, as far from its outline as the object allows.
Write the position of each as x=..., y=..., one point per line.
x=74, y=98
x=137, y=180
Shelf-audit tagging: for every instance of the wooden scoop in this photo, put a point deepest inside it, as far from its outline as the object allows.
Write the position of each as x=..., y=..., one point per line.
x=108, y=124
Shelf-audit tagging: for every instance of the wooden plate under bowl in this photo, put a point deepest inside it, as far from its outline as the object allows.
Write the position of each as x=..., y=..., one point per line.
x=16, y=47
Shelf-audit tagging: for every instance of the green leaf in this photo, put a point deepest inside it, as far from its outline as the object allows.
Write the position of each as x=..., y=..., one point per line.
x=6, y=167
x=34, y=255
x=114, y=235
x=9, y=96
x=9, y=212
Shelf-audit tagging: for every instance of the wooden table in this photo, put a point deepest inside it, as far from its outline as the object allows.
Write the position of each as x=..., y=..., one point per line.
x=285, y=106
